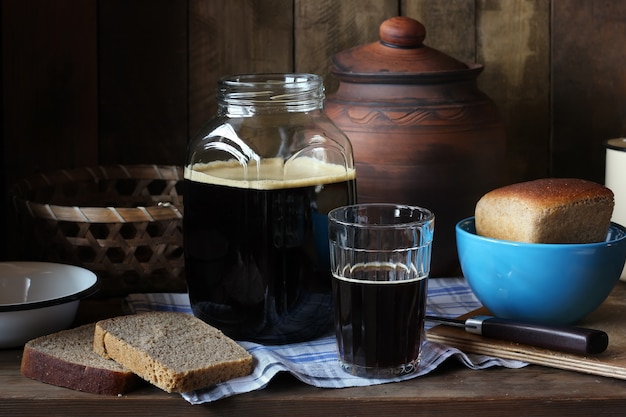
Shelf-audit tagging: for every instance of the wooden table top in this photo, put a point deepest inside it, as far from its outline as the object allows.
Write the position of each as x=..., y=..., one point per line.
x=451, y=390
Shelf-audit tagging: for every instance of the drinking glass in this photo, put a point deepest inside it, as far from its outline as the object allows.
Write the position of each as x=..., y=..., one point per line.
x=380, y=260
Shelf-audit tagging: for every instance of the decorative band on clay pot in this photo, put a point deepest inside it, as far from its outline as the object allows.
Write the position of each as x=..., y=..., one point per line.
x=422, y=132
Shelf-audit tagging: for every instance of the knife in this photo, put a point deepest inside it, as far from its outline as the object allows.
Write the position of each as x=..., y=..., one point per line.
x=570, y=339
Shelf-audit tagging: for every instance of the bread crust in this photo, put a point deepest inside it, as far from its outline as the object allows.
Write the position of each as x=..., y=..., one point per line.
x=549, y=210
x=42, y=365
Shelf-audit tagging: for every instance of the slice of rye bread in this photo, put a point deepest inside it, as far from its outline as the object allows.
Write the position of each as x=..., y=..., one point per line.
x=177, y=352
x=67, y=359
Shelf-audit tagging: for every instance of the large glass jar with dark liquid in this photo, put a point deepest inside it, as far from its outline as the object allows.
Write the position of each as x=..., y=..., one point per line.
x=260, y=179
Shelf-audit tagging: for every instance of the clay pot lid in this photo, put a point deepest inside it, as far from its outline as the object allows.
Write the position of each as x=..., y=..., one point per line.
x=399, y=56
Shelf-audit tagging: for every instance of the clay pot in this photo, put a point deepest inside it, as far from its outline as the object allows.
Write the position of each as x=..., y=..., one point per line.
x=421, y=130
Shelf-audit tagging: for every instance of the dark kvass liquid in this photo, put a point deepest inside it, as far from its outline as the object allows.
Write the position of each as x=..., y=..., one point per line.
x=379, y=324
x=256, y=255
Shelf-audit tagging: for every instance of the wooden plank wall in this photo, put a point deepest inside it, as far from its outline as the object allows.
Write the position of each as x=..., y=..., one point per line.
x=111, y=81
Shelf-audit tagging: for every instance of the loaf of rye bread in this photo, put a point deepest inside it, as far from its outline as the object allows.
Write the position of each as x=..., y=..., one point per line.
x=67, y=359
x=549, y=210
x=176, y=352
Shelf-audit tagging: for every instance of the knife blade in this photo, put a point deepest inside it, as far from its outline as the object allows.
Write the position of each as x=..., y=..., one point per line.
x=572, y=339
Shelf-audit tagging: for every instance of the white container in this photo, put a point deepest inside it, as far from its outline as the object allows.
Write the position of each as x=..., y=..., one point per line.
x=615, y=179
x=39, y=298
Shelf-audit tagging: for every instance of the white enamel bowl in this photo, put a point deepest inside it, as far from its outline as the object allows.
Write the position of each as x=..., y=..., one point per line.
x=39, y=298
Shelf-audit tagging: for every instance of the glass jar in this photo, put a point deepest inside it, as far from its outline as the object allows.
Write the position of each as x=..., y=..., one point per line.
x=260, y=179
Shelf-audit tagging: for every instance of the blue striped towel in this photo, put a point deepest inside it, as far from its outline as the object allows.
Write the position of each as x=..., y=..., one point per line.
x=315, y=362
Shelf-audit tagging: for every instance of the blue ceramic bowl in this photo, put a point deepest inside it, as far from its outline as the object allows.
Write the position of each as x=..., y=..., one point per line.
x=543, y=283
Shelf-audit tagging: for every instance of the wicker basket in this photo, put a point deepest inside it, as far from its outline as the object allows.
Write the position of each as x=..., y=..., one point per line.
x=122, y=222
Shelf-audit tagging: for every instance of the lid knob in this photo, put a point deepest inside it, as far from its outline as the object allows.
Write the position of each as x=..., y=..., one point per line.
x=402, y=32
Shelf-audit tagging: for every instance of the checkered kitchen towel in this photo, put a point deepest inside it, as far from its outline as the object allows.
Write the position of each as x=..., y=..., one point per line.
x=315, y=362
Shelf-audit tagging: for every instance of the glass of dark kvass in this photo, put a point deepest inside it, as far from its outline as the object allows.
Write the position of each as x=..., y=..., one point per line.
x=380, y=260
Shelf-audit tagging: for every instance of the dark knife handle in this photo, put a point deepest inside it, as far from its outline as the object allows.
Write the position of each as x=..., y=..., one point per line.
x=571, y=339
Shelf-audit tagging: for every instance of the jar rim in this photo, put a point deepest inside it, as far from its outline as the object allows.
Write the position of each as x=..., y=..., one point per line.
x=303, y=90
x=271, y=78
